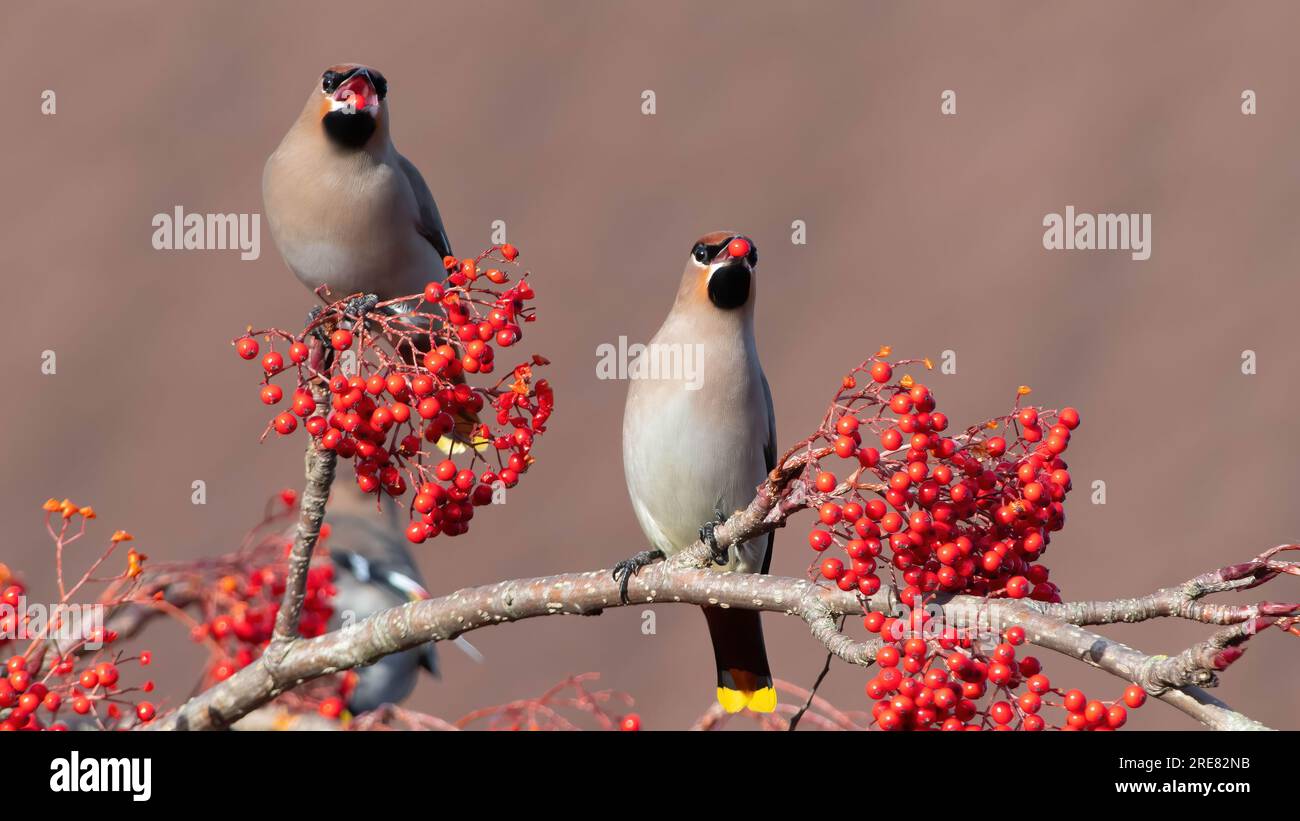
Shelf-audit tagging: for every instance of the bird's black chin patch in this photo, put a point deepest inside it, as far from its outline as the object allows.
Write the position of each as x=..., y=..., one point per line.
x=729, y=286
x=349, y=130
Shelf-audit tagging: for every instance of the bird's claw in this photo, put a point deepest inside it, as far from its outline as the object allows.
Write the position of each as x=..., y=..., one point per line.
x=357, y=307
x=626, y=569
x=720, y=555
x=317, y=329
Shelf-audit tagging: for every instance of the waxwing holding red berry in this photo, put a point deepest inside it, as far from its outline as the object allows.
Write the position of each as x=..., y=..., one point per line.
x=350, y=214
x=697, y=442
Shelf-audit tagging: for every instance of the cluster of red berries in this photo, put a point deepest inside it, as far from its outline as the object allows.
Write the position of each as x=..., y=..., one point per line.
x=970, y=514
x=242, y=610
x=37, y=684
x=942, y=684
x=384, y=413
x=35, y=687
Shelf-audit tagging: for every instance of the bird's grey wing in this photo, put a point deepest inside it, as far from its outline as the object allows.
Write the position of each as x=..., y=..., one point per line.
x=769, y=458
x=430, y=225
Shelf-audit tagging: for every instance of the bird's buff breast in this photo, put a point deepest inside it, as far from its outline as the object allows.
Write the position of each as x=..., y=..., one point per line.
x=350, y=232
x=684, y=462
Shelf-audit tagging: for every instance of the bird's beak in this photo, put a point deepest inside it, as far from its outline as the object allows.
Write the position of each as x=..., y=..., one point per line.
x=736, y=254
x=356, y=93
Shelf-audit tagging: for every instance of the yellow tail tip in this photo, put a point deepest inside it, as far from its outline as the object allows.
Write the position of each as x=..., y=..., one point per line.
x=763, y=701
x=759, y=701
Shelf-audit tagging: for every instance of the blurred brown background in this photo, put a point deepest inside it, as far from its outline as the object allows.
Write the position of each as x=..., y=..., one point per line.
x=924, y=232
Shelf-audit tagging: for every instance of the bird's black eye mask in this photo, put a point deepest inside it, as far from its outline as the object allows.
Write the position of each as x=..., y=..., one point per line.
x=331, y=80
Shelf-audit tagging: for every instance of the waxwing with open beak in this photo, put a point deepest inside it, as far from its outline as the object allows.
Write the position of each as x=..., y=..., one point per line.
x=349, y=214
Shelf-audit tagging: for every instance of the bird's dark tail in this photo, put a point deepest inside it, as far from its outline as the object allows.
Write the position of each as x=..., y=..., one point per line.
x=744, y=679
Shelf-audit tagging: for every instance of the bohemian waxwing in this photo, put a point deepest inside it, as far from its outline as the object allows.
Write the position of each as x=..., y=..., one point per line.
x=693, y=451
x=348, y=212
x=373, y=571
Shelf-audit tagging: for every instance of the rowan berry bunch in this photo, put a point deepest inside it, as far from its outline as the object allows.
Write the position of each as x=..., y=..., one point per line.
x=229, y=603
x=958, y=682
x=400, y=405
x=240, y=613
x=972, y=513
x=938, y=513
x=63, y=659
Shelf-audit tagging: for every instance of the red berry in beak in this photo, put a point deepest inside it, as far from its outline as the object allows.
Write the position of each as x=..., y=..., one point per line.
x=738, y=248
x=357, y=89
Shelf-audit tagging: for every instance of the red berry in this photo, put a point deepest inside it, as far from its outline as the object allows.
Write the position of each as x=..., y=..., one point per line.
x=1075, y=701
x=246, y=348
x=1135, y=696
x=341, y=339
x=417, y=532
x=273, y=362
x=1116, y=717
x=285, y=424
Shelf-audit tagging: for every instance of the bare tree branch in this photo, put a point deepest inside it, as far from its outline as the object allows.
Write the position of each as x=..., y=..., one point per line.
x=320, y=465
x=684, y=579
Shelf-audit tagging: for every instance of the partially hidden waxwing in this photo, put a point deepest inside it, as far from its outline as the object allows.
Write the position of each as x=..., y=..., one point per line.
x=348, y=212
x=373, y=571
x=696, y=445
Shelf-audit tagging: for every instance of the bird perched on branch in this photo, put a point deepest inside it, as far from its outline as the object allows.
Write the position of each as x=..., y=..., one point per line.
x=346, y=210
x=697, y=446
x=351, y=215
